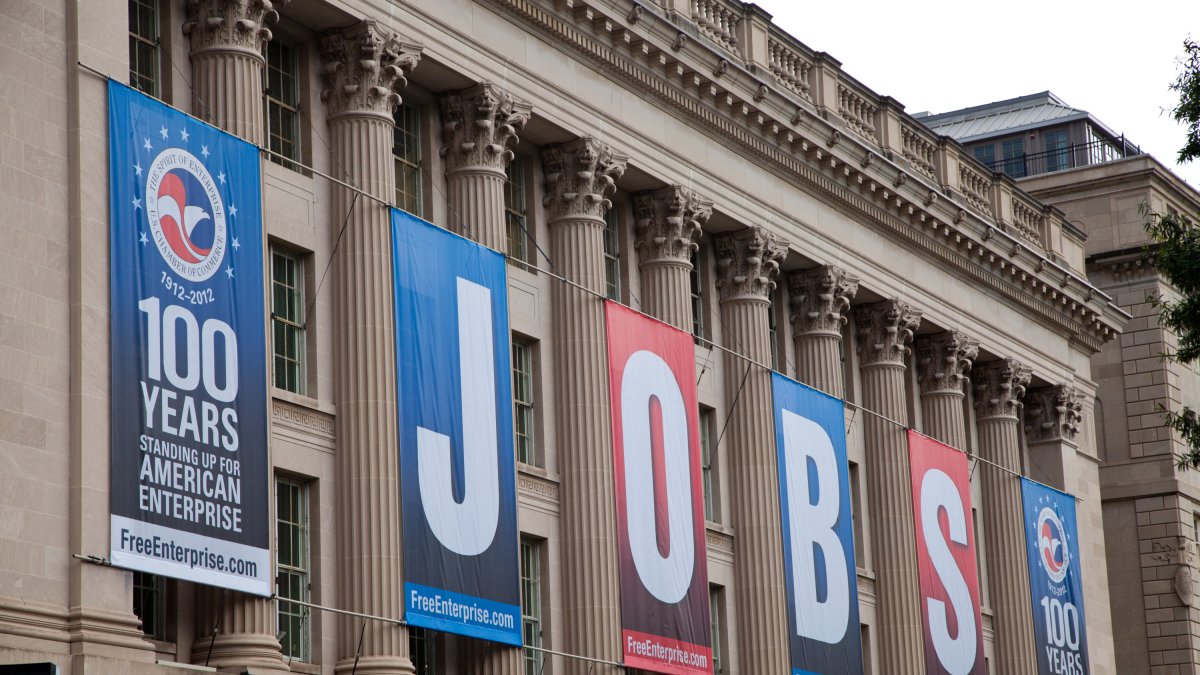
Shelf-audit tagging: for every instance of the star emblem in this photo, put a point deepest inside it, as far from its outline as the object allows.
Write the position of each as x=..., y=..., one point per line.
x=147, y=145
x=137, y=203
x=184, y=134
x=204, y=151
x=232, y=210
x=143, y=239
x=235, y=244
x=163, y=132
x=137, y=169
x=221, y=177
x=229, y=271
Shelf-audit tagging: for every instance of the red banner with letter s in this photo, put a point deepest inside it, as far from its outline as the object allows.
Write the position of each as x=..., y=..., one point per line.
x=941, y=487
x=660, y=508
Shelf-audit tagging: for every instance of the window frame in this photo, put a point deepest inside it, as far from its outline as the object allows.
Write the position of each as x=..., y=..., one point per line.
x=407, y=136
x=154, y=587
x=696, y=279
x=708, y=467
x=612, y=254
x=717, y=627
x=516, y=213
x=524, y=380
x=152, y=43
x=296, y=324
x=301, y=569
x=532, y=616
x=283, y=156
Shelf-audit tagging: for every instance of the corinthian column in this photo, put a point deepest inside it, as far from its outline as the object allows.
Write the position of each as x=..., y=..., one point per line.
x=580, y=178
x=668, y=222
x=227, y=40
x=1052, y=418
x=363, y=68
x=820, y=298
x=747, y=264
x=478, y=125
x=943, y=361
x=999, y=386
x=885, y=330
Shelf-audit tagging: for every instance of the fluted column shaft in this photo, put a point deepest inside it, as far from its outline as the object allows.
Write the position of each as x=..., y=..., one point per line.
x=477, y=126
x=579, y=178
x=370, y=565
x=820, y=299
x=227, y=87
x=942, y=363
x=746, y=268
x=667, y=224
x=884, y=330
x=998, y=389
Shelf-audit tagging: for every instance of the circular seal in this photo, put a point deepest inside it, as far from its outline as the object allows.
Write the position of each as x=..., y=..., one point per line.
x=1052, y=545
x=187, y=217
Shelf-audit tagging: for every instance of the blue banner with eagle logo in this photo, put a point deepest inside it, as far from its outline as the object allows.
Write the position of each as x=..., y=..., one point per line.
x=1055, y=580
x=189, y=482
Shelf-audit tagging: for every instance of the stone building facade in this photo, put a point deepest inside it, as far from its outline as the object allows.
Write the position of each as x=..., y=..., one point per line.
x=685, y=157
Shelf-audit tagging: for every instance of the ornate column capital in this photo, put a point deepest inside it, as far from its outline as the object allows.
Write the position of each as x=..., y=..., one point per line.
x=581, y=175
x=820, y=298
x=667, y=223
x=1053, y=413
x=943, y=361
x=364, y=66
x=747, y=264
x=230, y=24
x=885, y=329
x=478, y=125
x=999, y=386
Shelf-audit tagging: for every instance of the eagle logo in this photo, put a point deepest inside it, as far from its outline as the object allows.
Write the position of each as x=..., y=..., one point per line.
x=1052, y=545
x=187, y=217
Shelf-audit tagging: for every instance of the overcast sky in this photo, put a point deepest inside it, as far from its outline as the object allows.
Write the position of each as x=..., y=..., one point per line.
x=1113, y=59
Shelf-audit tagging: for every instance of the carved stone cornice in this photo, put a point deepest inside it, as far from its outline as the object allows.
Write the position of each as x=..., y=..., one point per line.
x=820, y=298
x=1053, y=413
x=999, y=386
x=667, y=223
x=885, y=329
x=581, y=175
x=747, y=264
x=943, y=361
x=230, y=24
x=478, y=125
x=364, y=67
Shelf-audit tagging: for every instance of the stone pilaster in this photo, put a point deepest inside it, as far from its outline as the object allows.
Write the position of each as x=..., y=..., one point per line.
x=478, y=126
x=999, y=386
x=227, y=41
x=1052, y=418
x=943, y=361
x=885, y=329
x=747, y=264
x=820, y=298
x=667, y=224
x=363, y=67
x=580, y=178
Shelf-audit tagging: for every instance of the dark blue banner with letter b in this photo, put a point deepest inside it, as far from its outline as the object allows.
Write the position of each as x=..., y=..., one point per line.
x=189, y=375
x=457, y=469
x=1055, y=580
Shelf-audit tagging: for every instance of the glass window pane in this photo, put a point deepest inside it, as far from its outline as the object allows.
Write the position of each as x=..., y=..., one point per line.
x=292, y=568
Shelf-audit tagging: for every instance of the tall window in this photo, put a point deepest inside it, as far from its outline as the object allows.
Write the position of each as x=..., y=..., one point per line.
x=287, y=319
x=283, y=103
x=523, y=402
x=716, y=614
x=515, y=213
x=406, y=151
x=1058, y=157
x=292, y=568
x=773, y=331
x=531, y=603
x=150, y=604
x=612, y=256
x=144, y=66
x=421, y=648
x=698, y=326
x=1014, y=157
x=856, y=513
x=707, y=471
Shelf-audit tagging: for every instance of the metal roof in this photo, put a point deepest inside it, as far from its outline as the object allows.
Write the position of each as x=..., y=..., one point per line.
x=1003, y=117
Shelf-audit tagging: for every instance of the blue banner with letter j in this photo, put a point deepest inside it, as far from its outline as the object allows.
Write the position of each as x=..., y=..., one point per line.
x=457, y=468
x=189, y=481
x=1055, y=580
